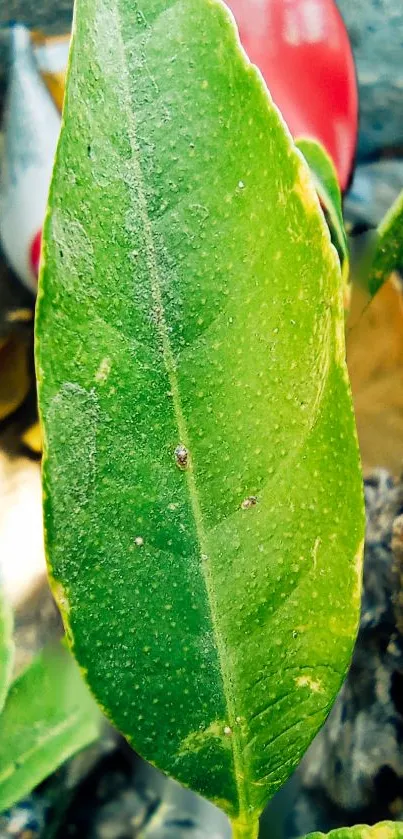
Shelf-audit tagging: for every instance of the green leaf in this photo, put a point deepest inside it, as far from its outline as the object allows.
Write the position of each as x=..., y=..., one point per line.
x=327, y=186
x=383, y=830
x=6, y=647
x=48, y=716
x=203, y=498
x=388, y=249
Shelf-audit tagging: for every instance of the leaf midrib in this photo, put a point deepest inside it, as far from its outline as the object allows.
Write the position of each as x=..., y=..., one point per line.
x=240, y=770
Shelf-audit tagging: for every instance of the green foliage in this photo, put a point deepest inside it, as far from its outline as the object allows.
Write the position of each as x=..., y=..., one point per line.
x=203, y=500
x=388, y=250
x=383, y=830
x=48, y=716
x=383, y=252
x=327, y=186
x=6, y=648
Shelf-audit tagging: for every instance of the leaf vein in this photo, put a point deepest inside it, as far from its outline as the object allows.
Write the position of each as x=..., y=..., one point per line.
x=141, y=203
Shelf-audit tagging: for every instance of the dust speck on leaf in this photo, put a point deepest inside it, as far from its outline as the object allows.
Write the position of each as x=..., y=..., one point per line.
x=315, y=550
x=307, y=682
x=103, y=370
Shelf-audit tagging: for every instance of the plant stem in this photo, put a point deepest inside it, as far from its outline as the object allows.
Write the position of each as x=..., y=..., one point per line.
x=244, y=828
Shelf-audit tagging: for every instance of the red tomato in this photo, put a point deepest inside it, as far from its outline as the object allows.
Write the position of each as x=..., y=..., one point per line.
x=303, y=52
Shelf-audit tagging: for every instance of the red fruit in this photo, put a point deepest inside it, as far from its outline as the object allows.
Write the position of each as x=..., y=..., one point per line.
x=35, y=253
x=303, y=51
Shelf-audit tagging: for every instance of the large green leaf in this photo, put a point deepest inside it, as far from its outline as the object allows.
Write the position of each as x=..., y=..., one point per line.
x=383, y=830
x=327, y=186
x=48, y=716
x=387, y=253
x=203, y=499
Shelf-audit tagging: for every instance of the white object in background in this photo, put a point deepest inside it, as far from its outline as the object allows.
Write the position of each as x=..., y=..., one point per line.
x=31, y=130
x=22, y=555
x=52, y=56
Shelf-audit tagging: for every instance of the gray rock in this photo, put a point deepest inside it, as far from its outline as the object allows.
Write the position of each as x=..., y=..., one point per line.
x=26, y=820
x=376, y=32
x=374, y=189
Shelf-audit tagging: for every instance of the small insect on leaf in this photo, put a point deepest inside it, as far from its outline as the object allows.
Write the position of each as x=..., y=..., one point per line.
x=181, y=457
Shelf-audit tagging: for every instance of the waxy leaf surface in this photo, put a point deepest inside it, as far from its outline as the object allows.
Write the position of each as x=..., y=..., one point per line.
x=203, y=501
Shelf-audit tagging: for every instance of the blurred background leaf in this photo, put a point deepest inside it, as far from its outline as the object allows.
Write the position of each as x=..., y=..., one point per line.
x=48, y=716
